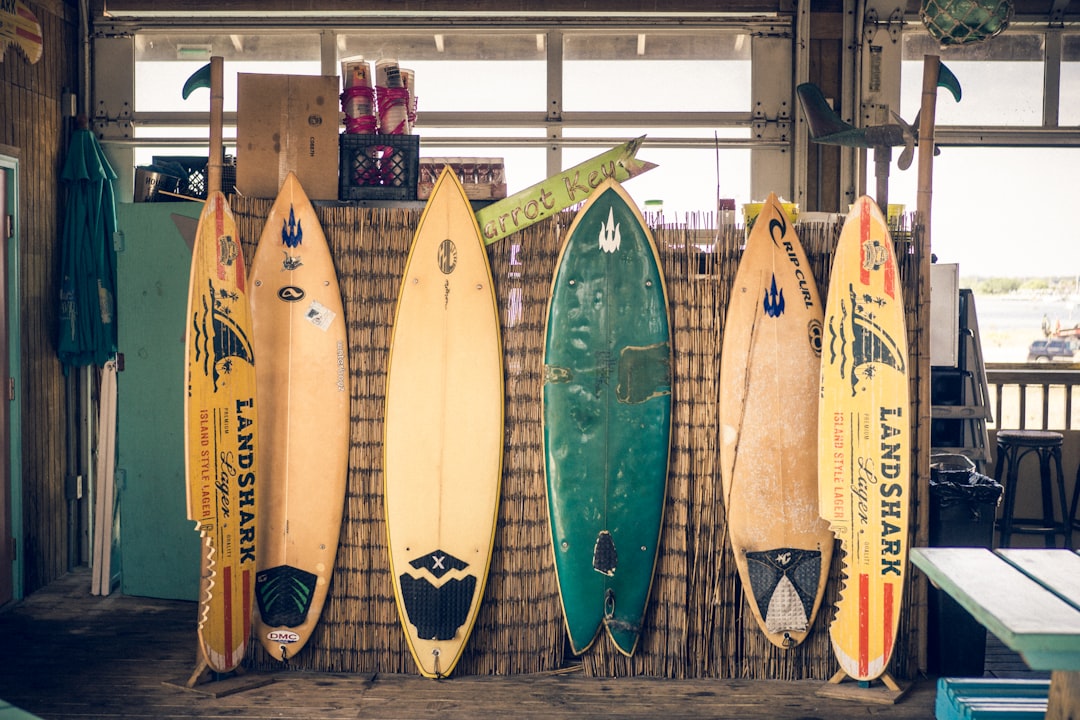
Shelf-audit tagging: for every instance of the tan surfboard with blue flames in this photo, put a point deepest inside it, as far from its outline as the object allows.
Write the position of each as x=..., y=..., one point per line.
x=443, y=439
x=864, y=430
x=770, y=370
x=303, y=380
x=220, y=435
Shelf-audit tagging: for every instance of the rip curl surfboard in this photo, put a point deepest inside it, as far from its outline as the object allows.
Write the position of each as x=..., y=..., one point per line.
x=220, y=435
x=770, y=370
x=303, y=372
x=443, y=428
x=607, y=418
x=864, y=430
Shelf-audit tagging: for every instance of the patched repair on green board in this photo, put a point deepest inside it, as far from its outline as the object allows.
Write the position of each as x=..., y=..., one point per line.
x=644, y=373
x=556, y=374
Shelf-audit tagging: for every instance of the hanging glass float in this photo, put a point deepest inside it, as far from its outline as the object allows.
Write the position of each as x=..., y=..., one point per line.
x=959, y=22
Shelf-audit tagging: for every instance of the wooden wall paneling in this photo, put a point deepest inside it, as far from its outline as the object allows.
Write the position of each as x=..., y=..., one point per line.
x=30, y=120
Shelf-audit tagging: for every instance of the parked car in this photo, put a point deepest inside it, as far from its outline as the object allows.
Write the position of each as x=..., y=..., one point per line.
x=1054, y=349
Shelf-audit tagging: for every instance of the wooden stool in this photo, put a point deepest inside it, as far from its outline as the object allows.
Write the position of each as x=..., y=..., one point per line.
x=1012, y=447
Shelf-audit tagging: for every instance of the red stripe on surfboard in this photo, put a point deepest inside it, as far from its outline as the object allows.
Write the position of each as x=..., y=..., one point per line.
x=219, y=230
x=890, y=278
x=887, y=613
x=226, y=582
x=864, y=236
x=864, y=625
x=247, y=603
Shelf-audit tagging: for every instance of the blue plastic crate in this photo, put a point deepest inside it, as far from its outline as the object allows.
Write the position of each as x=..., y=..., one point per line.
x=991, y=699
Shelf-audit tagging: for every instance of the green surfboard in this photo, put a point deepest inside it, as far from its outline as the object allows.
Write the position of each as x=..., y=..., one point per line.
x=607, y=418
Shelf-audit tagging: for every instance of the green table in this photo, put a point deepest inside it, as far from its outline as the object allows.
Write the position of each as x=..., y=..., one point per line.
x=1029, y=599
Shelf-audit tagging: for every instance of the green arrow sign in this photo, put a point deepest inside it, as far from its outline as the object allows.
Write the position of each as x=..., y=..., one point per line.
x=559, y=192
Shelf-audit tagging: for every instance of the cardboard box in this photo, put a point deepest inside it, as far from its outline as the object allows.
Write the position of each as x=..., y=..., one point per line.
x=283, y=123
x=481, y=178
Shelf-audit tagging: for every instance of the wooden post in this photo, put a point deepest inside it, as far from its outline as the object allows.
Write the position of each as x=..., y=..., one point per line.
x=931, y=68
x=882, y=161
x=217, y=104
x=1064, y=700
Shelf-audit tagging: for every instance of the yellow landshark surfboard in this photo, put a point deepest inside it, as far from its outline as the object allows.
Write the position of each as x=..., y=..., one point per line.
x=770, y=371
x=220, y=435
x=864, y=429
x=303, y=371
x=443, y=431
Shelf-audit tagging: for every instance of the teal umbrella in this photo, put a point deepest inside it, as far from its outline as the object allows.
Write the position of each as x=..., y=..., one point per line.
x=87, y=332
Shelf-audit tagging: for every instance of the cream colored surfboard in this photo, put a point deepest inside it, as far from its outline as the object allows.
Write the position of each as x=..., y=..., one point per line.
x=303, y=381
x=443, y=431
x=769, y=375
x=220, y=435
x=864, y=426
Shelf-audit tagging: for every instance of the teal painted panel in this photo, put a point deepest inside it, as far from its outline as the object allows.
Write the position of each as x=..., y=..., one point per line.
x=607, y=419
x=10, y=712
x=158, y=545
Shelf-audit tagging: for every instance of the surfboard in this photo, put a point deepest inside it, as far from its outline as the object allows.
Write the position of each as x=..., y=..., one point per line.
x=20, y=26
x=607, y=418
x=770, y=370
x=220, y=435
x=302, y=377
x=443, y=431
x=864, y=440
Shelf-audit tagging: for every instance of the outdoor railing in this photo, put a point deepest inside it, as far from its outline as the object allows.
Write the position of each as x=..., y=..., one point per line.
x=1034, y=397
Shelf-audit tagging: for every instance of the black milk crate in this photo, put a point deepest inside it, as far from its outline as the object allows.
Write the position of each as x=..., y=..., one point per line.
x=196, y=173
x=378, y=167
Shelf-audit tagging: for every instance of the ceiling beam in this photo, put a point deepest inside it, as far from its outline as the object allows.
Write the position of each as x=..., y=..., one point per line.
x=150, y=8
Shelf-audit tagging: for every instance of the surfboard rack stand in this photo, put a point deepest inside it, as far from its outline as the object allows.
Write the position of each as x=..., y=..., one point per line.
x=882, y=691
x=205, y=681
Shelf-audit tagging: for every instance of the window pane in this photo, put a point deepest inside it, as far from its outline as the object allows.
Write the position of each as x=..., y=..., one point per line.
x=686, y=180
x=164, y=62
x=989, y=209
x=458, y=71
x=524, y=166
x=1002, y=80
x=145, y=154
x=656, y=72
x=1070, y=81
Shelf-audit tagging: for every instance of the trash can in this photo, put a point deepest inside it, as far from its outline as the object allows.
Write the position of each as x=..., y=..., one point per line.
x=963, y=505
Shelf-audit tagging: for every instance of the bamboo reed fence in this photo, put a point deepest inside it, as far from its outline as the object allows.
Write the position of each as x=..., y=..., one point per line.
x=698, y=623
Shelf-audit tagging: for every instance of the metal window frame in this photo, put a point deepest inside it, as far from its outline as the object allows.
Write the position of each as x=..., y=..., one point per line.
x=114, y=91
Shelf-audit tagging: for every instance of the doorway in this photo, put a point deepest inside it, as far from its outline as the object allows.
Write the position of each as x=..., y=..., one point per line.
x=10, y=492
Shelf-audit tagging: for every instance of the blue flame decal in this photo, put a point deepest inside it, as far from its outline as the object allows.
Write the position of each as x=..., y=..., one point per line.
x=774, y=300
x=292, y=234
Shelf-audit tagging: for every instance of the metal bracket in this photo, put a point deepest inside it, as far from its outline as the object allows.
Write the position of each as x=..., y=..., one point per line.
x=1057, y=14
x=872, y=23
x=73, y=487
x=774, y=128
x=122, y=121
x=875, y=114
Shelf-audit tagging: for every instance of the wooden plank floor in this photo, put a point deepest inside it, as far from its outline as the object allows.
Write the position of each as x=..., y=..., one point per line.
x=72, y=655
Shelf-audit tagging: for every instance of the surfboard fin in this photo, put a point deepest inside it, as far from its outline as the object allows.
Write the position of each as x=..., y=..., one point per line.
x=199, y=79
